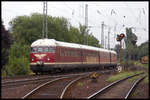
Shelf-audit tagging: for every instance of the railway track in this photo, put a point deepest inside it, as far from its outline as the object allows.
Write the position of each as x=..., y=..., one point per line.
x=117, y=89
x=29, y=80
x=23, y=86
x=57, y=88
x=53, y=89
x=33, y=79
x=68, y=87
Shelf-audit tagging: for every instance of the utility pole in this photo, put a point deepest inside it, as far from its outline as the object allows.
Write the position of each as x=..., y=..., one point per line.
x=45, y=30
x=105, y=43
x=86, y=23
x=108, y=38
x=120, y=51
x=102, y=35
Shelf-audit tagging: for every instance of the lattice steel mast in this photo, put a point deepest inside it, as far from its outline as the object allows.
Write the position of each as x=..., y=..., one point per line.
x=45, y=30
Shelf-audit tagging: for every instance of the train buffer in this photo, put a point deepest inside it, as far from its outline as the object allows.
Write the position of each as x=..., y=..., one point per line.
x=94, y=77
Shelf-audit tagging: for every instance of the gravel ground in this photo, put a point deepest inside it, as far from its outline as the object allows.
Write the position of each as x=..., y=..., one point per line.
x=86, y=88
x=81, y=90
x=141, y=91
x=118, y=91
x=17, y=92
x=24, y=77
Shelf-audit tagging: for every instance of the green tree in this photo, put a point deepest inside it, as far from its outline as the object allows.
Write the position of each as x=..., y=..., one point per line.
x=18, y=63
x=75, y=34
x=131, y=47
x=92, y=41
x=27, y=29
x=5, y=42
x=83, y=33
x=143, y=49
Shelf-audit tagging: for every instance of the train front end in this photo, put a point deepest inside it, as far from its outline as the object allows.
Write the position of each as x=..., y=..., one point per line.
x=42, y=55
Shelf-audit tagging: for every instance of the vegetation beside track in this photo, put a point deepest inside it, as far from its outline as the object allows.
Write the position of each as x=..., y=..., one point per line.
x=26, y=29
x=146, y=66
x=121, y=75
x=131, y=68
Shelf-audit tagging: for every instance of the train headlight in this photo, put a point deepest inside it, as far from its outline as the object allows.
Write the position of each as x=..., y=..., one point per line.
x=32, y=59
x=48, y=59
x=38, y=62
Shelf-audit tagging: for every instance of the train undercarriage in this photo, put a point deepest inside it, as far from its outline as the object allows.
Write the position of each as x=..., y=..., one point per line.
x=41, y=69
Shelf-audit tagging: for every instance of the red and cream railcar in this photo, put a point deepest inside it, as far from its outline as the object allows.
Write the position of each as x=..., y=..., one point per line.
x=50, y=55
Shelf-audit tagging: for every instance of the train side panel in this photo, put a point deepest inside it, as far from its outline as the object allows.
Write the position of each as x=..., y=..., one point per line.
x=68, y=55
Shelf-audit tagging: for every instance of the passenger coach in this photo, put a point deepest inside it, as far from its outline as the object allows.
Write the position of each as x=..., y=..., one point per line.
x=49, y=55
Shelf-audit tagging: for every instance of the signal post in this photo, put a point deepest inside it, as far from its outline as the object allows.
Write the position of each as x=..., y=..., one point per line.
x=119, y=38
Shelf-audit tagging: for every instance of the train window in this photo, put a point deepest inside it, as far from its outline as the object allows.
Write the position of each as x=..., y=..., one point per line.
x=74, y=53
x=65, y=53
x=40, y=49
x=52, y=49
x=68, y=53
x=61, y=52
x=46, y=49
x=34, y=49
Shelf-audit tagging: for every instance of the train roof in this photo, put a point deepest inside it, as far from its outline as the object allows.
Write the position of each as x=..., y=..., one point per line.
x=44, y=42
x=53, y=42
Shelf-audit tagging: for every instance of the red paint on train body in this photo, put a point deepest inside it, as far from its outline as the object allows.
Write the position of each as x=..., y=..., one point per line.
x=49, y=55
x=43, y=57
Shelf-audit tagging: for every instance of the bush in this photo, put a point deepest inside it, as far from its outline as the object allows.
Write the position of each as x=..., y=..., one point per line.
x=18, y=63
x=18, y=66
x=128, y=64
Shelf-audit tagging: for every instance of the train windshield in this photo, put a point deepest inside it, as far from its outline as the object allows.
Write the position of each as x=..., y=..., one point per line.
x=43, y=49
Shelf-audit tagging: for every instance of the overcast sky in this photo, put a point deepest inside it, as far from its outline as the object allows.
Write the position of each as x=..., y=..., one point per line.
x=116, y=16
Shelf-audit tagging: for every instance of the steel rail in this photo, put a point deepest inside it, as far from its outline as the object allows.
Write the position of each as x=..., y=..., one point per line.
x=69, y=85
x=112, y=84
x=37, y=88
x=133, y=86
x=9, y=83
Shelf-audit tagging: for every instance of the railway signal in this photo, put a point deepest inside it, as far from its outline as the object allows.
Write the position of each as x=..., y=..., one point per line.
x=122, y=35
x=119, y=38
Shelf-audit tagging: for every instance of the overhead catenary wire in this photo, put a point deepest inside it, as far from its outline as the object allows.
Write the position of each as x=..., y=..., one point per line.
x=77, y=15
x=64, y=11
x=76, y=18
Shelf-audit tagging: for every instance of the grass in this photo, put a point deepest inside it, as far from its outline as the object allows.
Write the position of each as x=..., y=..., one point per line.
x=146, y=80
x=122, y=75
x=31, y=73
x=145, y=65
x=135, y=78
x=3, y=73
x=137, y=63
